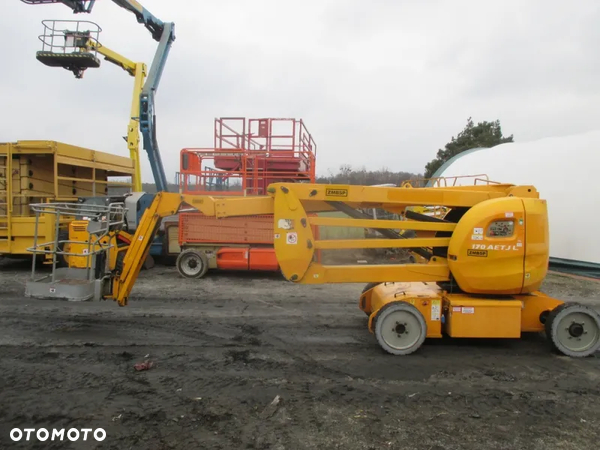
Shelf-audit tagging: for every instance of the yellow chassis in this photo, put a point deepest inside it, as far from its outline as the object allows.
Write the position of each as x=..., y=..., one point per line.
x=462, y=315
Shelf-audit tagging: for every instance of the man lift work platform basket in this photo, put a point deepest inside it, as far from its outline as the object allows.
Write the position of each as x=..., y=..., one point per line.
x=87, y=259
x=71, y=44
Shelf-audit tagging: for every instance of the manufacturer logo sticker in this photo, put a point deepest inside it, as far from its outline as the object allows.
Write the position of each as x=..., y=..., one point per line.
x=331, y=192
x=478, y=253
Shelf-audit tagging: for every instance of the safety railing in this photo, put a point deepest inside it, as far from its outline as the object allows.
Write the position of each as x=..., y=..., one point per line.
x=472, y=180
x=70, y=44
x=68, y=36
x=101, y=220
x=276, y=137
x=240, y=172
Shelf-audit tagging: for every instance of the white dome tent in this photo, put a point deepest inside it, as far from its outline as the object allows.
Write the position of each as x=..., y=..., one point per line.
x=564, y=171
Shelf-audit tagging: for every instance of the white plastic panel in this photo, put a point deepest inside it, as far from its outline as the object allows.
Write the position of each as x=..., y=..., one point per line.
x=565, y=171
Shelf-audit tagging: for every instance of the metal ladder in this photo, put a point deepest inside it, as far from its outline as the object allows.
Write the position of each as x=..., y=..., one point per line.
x=5, y=201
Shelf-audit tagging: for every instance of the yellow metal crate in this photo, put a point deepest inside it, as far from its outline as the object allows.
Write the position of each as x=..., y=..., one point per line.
x=48, y=171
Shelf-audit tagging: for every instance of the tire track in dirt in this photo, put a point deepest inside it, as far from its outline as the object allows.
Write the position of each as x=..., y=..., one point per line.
x=222, y=355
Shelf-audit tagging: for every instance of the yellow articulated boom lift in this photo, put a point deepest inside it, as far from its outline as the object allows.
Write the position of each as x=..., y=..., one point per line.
x=484, y=261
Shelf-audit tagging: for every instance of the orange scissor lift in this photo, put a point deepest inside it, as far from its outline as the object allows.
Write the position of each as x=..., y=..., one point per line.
x=248, y=155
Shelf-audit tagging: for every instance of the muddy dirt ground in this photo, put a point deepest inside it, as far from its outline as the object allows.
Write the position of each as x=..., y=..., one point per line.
x=226, y=346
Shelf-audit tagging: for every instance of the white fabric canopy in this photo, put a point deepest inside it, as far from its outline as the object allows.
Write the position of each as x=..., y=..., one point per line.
x=565, y=172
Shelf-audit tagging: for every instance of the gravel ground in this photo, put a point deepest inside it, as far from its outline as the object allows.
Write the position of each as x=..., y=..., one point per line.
x=226, y=346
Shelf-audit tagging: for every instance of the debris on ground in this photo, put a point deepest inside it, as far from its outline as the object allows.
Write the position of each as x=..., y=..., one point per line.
x=146, y=365
x=271, y=408
x=313, y=350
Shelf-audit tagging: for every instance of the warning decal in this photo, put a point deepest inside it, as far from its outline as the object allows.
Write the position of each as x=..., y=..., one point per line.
x=436, y=309
x=292, y=238
x=285, y=224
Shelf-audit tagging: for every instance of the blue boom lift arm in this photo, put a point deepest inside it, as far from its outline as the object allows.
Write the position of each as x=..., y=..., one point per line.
x=154, y=25
x=147, y=114
x=162, y=32
x=78, y=6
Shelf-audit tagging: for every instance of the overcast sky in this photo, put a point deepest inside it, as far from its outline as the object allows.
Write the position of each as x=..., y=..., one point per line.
x=379, y=83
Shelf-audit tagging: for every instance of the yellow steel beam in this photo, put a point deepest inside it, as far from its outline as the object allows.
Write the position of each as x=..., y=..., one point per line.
x=112, y=56
x=133, y=129
x=373, y=223
x=138, y=71
x=230, y=206
x=163, y=205
x=373, y=197
x=381, y=243
x=319, y=274
x=93, y=164
x=83, y=180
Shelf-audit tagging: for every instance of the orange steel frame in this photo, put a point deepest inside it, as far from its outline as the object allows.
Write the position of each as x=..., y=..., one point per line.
x=252, y=153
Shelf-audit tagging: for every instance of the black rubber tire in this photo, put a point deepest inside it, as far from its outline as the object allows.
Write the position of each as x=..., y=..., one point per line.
x=548, y=326
x=552, y=330
x=394, y=307
x=365, y=289
x=196, y=255
x=369, y=286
